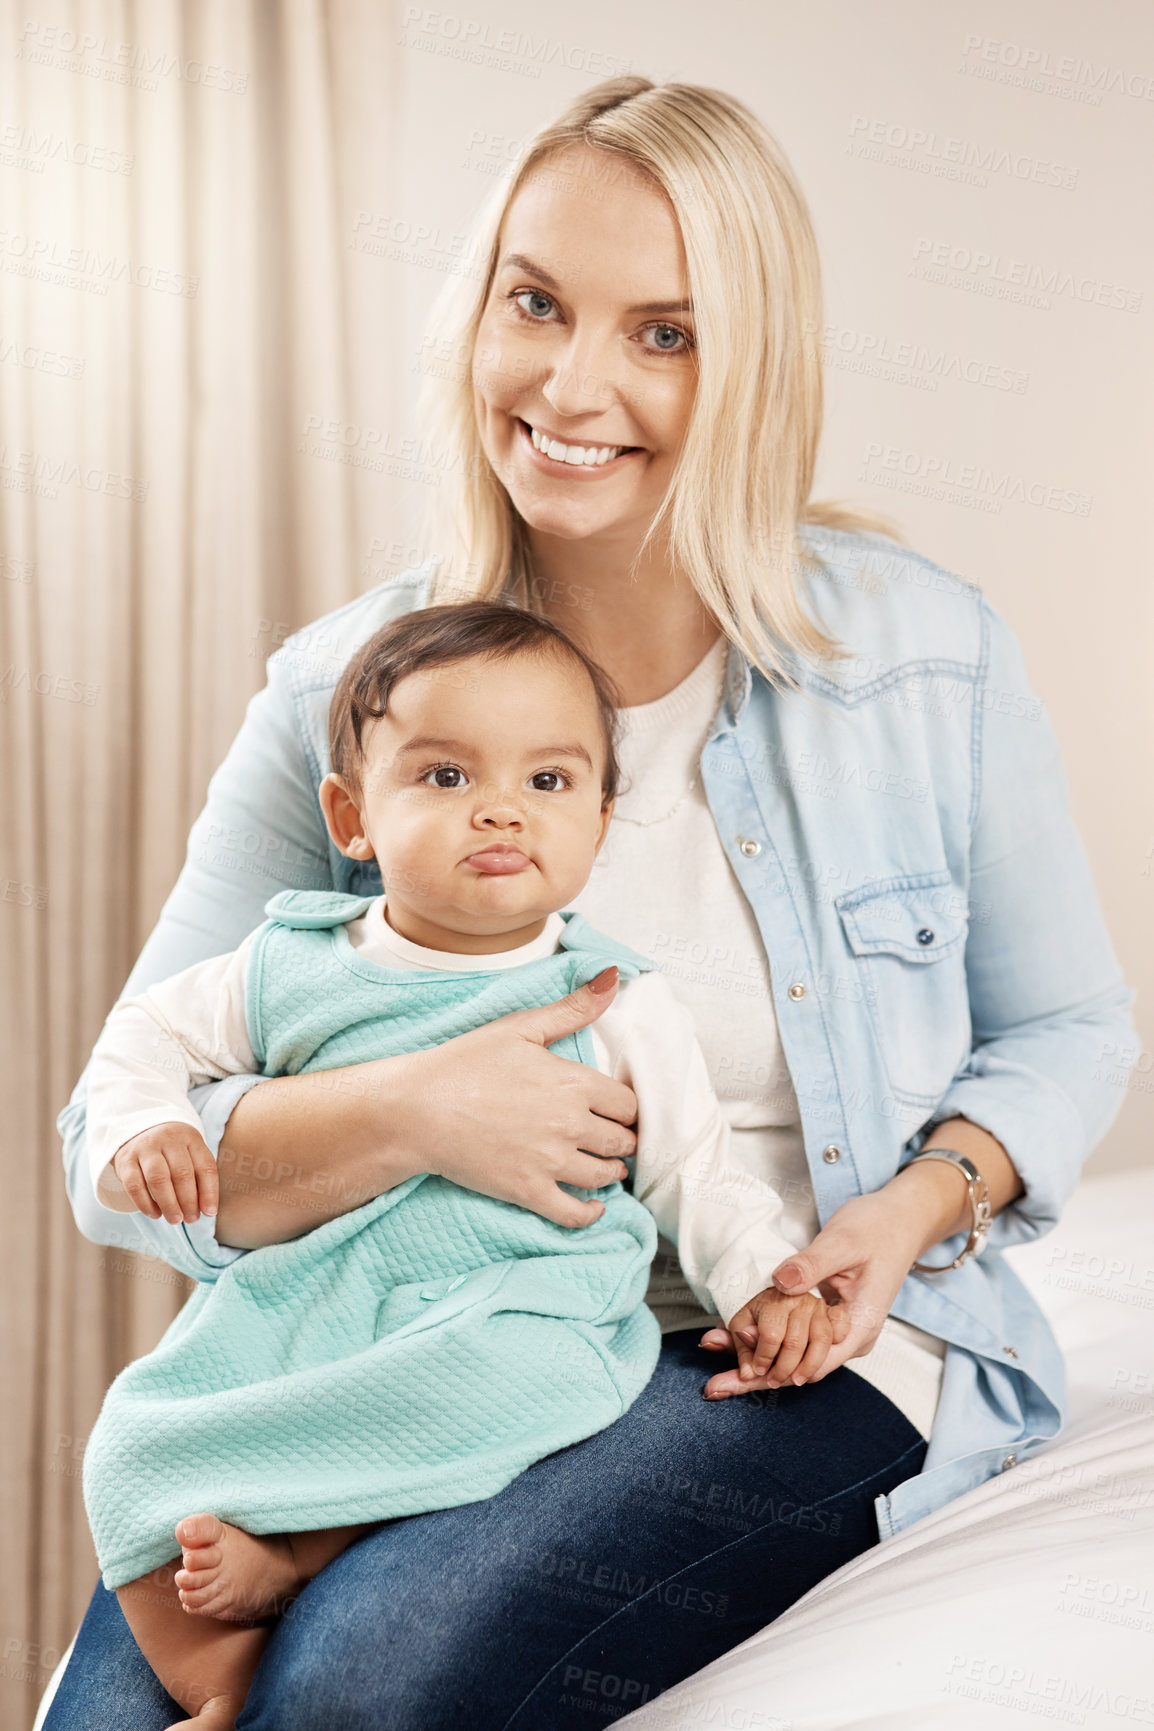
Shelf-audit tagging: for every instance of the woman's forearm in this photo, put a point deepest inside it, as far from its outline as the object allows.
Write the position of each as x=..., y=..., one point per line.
x=940, y=1196
x=300, y=1150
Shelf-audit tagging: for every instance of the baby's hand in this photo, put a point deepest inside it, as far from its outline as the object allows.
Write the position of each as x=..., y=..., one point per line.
x=169, y=1170
x=786, y=1339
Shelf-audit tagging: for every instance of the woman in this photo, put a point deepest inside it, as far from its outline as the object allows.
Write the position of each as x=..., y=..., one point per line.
x=847, y=844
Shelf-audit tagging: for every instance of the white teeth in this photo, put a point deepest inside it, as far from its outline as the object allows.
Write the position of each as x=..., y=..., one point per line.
x=587, y=456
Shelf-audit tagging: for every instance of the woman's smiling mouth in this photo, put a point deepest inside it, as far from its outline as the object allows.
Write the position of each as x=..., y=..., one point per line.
x=551, y=454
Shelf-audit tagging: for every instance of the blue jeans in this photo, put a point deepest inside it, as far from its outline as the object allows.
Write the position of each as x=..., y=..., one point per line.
x=600, y=1577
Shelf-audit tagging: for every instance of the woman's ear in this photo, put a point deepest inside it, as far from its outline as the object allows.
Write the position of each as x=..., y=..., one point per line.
x=343, y=818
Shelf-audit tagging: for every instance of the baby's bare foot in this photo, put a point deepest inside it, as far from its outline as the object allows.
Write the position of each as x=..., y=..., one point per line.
x=236, y=1576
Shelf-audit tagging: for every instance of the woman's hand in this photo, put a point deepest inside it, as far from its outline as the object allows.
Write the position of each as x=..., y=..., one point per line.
x=492, y=1109
x=859, y=1260
x=498, y=1113
x=862, y=1255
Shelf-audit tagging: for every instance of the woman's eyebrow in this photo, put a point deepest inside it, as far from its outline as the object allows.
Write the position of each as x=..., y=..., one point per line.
x=519, y=261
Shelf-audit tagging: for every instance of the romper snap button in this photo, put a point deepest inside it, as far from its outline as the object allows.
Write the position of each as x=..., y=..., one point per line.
x=797, y=990
x=925, y=936
x=750, y=848
x=831, y=1155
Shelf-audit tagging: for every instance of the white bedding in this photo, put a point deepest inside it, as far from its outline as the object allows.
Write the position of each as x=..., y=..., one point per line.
x=1030, y=1598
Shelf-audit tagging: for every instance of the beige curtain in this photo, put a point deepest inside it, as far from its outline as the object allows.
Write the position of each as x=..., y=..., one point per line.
x=180, y=303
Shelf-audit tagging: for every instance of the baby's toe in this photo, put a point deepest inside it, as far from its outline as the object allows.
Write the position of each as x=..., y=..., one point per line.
x=197, y=1599
x=208, y=1557
x=198, y=1530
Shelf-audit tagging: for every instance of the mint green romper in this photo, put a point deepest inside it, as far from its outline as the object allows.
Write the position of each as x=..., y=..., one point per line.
x=416, y=1353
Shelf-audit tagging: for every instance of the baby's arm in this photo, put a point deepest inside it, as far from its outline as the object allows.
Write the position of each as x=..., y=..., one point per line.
x=145, y=1142
x=724, y=1221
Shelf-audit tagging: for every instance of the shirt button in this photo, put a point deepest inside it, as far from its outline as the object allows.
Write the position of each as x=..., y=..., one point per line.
x=750, y=849
x=797, y=990
x=925, y=936
x=831, y=1155
x=1010, y=1461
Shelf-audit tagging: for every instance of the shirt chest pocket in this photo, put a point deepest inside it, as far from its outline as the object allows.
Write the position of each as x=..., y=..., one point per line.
x=908, y=936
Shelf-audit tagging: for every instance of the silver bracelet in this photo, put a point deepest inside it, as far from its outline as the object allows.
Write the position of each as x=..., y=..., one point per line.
x=979, y=1195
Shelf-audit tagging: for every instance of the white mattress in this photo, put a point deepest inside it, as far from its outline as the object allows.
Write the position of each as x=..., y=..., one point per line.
x=1030, y=1599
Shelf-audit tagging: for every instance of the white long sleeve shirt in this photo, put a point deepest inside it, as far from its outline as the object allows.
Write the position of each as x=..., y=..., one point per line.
x=191, y=1028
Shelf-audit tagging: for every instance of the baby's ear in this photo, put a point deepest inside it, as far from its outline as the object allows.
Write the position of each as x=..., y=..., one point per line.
x=343, y=819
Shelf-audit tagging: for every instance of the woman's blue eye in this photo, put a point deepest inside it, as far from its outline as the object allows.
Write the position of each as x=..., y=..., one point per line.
x=533, y=295
x=545, y=305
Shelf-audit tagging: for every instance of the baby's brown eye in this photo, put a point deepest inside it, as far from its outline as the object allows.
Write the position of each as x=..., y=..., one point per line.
x=443, y=769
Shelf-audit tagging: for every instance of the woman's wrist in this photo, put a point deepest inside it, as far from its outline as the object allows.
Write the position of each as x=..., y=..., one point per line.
x=935, y=1199
x=934, y=1202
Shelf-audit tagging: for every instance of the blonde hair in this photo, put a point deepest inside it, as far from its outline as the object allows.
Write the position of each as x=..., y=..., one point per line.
x=740, y=488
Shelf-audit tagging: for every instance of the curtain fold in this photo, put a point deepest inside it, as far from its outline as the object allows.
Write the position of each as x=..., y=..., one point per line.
x=178, y=296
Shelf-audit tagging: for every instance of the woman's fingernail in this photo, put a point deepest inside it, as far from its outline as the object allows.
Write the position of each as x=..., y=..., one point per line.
x=797, y=1380
x=789, y=1275
x=603, y=981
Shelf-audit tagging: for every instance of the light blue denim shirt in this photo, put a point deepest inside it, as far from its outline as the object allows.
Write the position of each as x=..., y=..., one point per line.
x=901, y=827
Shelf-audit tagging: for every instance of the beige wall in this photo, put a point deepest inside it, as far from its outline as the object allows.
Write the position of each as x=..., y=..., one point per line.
x=960, y=373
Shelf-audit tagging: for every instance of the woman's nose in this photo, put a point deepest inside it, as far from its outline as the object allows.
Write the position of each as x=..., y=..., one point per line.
x=582, y=379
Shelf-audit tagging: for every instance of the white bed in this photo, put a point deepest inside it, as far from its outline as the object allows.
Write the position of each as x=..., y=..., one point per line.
x=1031, y=1597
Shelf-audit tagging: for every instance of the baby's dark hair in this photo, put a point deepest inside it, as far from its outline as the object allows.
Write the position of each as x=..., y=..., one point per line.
x=436, y=636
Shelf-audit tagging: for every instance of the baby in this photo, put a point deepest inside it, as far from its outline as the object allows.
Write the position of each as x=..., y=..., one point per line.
x=421, y=1350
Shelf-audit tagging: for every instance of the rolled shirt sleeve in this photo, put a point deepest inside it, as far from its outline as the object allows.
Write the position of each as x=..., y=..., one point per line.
x=1053, y=1036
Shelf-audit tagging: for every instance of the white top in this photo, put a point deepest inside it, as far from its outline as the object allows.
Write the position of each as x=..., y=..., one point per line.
x=663, y=883
x=720, y=1155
